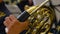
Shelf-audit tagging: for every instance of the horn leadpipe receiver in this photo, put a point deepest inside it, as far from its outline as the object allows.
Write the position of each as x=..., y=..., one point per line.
x=24, y=15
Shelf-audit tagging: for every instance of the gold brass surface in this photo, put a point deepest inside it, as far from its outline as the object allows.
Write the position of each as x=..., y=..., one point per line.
x=41, y=20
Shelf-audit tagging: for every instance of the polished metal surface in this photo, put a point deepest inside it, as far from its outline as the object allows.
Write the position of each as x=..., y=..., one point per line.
x=41, y=20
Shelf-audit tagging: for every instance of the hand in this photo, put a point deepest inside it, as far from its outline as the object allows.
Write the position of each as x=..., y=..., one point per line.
x=1, y=1
x=14, y=26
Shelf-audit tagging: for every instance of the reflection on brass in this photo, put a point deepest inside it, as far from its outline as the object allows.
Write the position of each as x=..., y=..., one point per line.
x=2, y=14
x=41, y=20
x=58, y=28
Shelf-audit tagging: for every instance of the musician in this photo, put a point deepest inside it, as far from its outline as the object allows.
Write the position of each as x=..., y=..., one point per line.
x=14, y=26
x=5, y=12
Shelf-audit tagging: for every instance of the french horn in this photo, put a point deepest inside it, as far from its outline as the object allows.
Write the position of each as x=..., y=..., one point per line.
x=41, y=20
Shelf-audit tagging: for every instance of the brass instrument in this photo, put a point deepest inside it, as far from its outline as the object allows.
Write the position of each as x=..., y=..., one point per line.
x=41, y=19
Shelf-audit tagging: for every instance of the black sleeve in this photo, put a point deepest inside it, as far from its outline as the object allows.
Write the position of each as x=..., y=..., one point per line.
x=22, y=4
x=3, y=13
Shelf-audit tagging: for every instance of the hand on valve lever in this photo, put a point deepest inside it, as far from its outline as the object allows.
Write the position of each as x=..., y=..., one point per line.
x=14, y=26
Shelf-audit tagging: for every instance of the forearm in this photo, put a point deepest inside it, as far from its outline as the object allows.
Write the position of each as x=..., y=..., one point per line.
x=13, y=32
x=15, y=29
